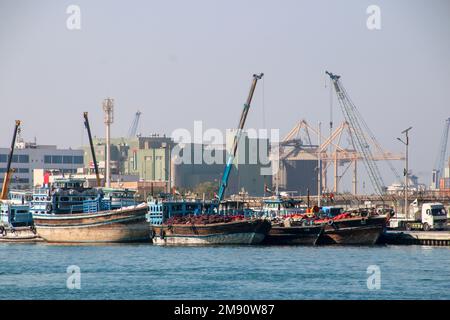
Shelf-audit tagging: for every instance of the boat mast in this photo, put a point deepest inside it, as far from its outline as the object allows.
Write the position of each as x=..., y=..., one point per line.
x=237, y=137
x=9, y=171
x=94, y=158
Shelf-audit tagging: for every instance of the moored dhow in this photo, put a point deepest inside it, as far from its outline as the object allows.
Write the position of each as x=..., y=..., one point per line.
x=69, y=212
x=16, y=222
x=194, y=222
x=290, y=223
x=352, y=228
x=282, y=234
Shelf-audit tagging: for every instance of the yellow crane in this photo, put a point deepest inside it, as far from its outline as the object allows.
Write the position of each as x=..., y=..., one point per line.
x=9, y=171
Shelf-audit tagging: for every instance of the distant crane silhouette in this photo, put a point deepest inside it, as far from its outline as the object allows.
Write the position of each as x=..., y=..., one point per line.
x=438, y=170
x=134, y=125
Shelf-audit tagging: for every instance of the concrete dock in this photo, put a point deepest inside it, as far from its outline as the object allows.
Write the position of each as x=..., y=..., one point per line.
x=431, y=238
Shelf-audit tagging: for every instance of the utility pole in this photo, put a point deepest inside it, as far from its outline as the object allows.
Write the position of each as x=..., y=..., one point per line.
x=108, y=109
x=355, y=175
x=319, y=165
x=405, y=172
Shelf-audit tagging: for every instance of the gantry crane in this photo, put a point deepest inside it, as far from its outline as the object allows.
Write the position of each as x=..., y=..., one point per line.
x=439, y=164
x=356, y=123
x=237, y=137
x=9, y=171
x=134, y=125
x=94, y=158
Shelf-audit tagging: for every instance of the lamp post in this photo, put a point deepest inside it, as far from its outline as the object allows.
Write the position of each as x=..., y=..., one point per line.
x=405, y=172
x=319, y=165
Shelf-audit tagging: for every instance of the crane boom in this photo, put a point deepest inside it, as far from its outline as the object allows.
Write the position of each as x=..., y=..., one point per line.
x=9, y=171
x=134, y=125
x=351, y=115
x=440, y=160
x=237, y=137
x=94, y=159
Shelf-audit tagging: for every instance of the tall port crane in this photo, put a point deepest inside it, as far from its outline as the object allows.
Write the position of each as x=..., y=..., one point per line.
x=237, y=137
x=9, y=171
x=94, y=158
x=356, y=123
x=134, y=125
x=442, y=154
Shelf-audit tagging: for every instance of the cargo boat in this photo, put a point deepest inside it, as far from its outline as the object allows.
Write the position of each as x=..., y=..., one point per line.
x=16, y=222
x=69, y=212
x=352, y=229
x=209, y=223
x=295, y=235
x=290, y=224
x=195, y=222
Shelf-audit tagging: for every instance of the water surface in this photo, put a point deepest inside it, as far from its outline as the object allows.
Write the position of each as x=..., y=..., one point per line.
x=145, y=271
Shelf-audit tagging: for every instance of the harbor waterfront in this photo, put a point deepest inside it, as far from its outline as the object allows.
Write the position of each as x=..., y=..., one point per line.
x=144, y=271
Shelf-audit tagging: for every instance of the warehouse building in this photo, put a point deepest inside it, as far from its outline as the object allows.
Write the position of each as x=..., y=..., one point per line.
x=29, y=156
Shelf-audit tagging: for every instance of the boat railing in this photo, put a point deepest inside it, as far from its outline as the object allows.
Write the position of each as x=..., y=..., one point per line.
x=90, y=206
x=105, y=204
x=77, y=208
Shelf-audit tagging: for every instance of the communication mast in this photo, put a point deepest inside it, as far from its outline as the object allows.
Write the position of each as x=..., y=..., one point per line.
x=108, y=109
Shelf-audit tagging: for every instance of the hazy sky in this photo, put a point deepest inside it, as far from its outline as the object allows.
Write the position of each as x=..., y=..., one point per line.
x=180, y=61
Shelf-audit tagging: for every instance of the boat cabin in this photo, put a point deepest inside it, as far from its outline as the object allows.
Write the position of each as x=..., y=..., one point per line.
x=160, y=209
x=67, y=195
x=15, y=215
x=331, y=211
x=120, y=197
x=279, y=207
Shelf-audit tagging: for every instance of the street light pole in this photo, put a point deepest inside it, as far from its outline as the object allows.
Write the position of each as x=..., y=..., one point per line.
x=319, y=166
x=405, y=172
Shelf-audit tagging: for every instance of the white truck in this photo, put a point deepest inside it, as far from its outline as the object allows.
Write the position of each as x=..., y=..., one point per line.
x=432, y=216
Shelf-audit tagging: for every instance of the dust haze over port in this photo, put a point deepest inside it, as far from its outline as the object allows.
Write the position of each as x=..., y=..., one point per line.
x=178, y=66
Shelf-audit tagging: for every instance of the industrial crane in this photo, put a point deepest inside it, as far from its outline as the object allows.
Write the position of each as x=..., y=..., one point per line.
x=94, y=159
x=356, y=123
x=440, y=159
x=237, y=137
x=134, y=125
x=9, y=171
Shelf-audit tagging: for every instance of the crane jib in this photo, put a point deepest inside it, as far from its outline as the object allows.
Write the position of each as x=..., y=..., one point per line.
x=356, y=124
x=226, y=173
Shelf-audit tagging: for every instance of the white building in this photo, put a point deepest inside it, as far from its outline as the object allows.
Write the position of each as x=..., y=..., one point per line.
x=29, y=156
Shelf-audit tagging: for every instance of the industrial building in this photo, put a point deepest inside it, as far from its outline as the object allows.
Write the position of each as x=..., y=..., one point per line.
x=146, y=157
x=252, y=156
x=30, y=155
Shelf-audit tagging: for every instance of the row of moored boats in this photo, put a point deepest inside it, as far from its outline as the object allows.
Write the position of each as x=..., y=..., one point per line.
x=66, y=211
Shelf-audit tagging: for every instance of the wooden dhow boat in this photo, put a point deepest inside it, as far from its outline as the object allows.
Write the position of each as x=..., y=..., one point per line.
x=290, y=224
x=16, y=222
x=292, y=234
x=352, y=228
x=194, y=222
x=69, y=212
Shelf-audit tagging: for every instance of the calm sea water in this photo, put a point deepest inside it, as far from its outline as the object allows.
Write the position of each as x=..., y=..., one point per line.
x=38, y=271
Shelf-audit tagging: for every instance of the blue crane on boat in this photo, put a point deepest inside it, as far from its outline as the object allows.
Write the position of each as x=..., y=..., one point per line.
x=237, y=137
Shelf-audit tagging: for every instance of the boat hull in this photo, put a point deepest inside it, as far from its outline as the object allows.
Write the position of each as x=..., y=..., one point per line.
x=19, y=234
x=354, y=231
x=294, y=235
x=127, y=224
x=237, y=232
